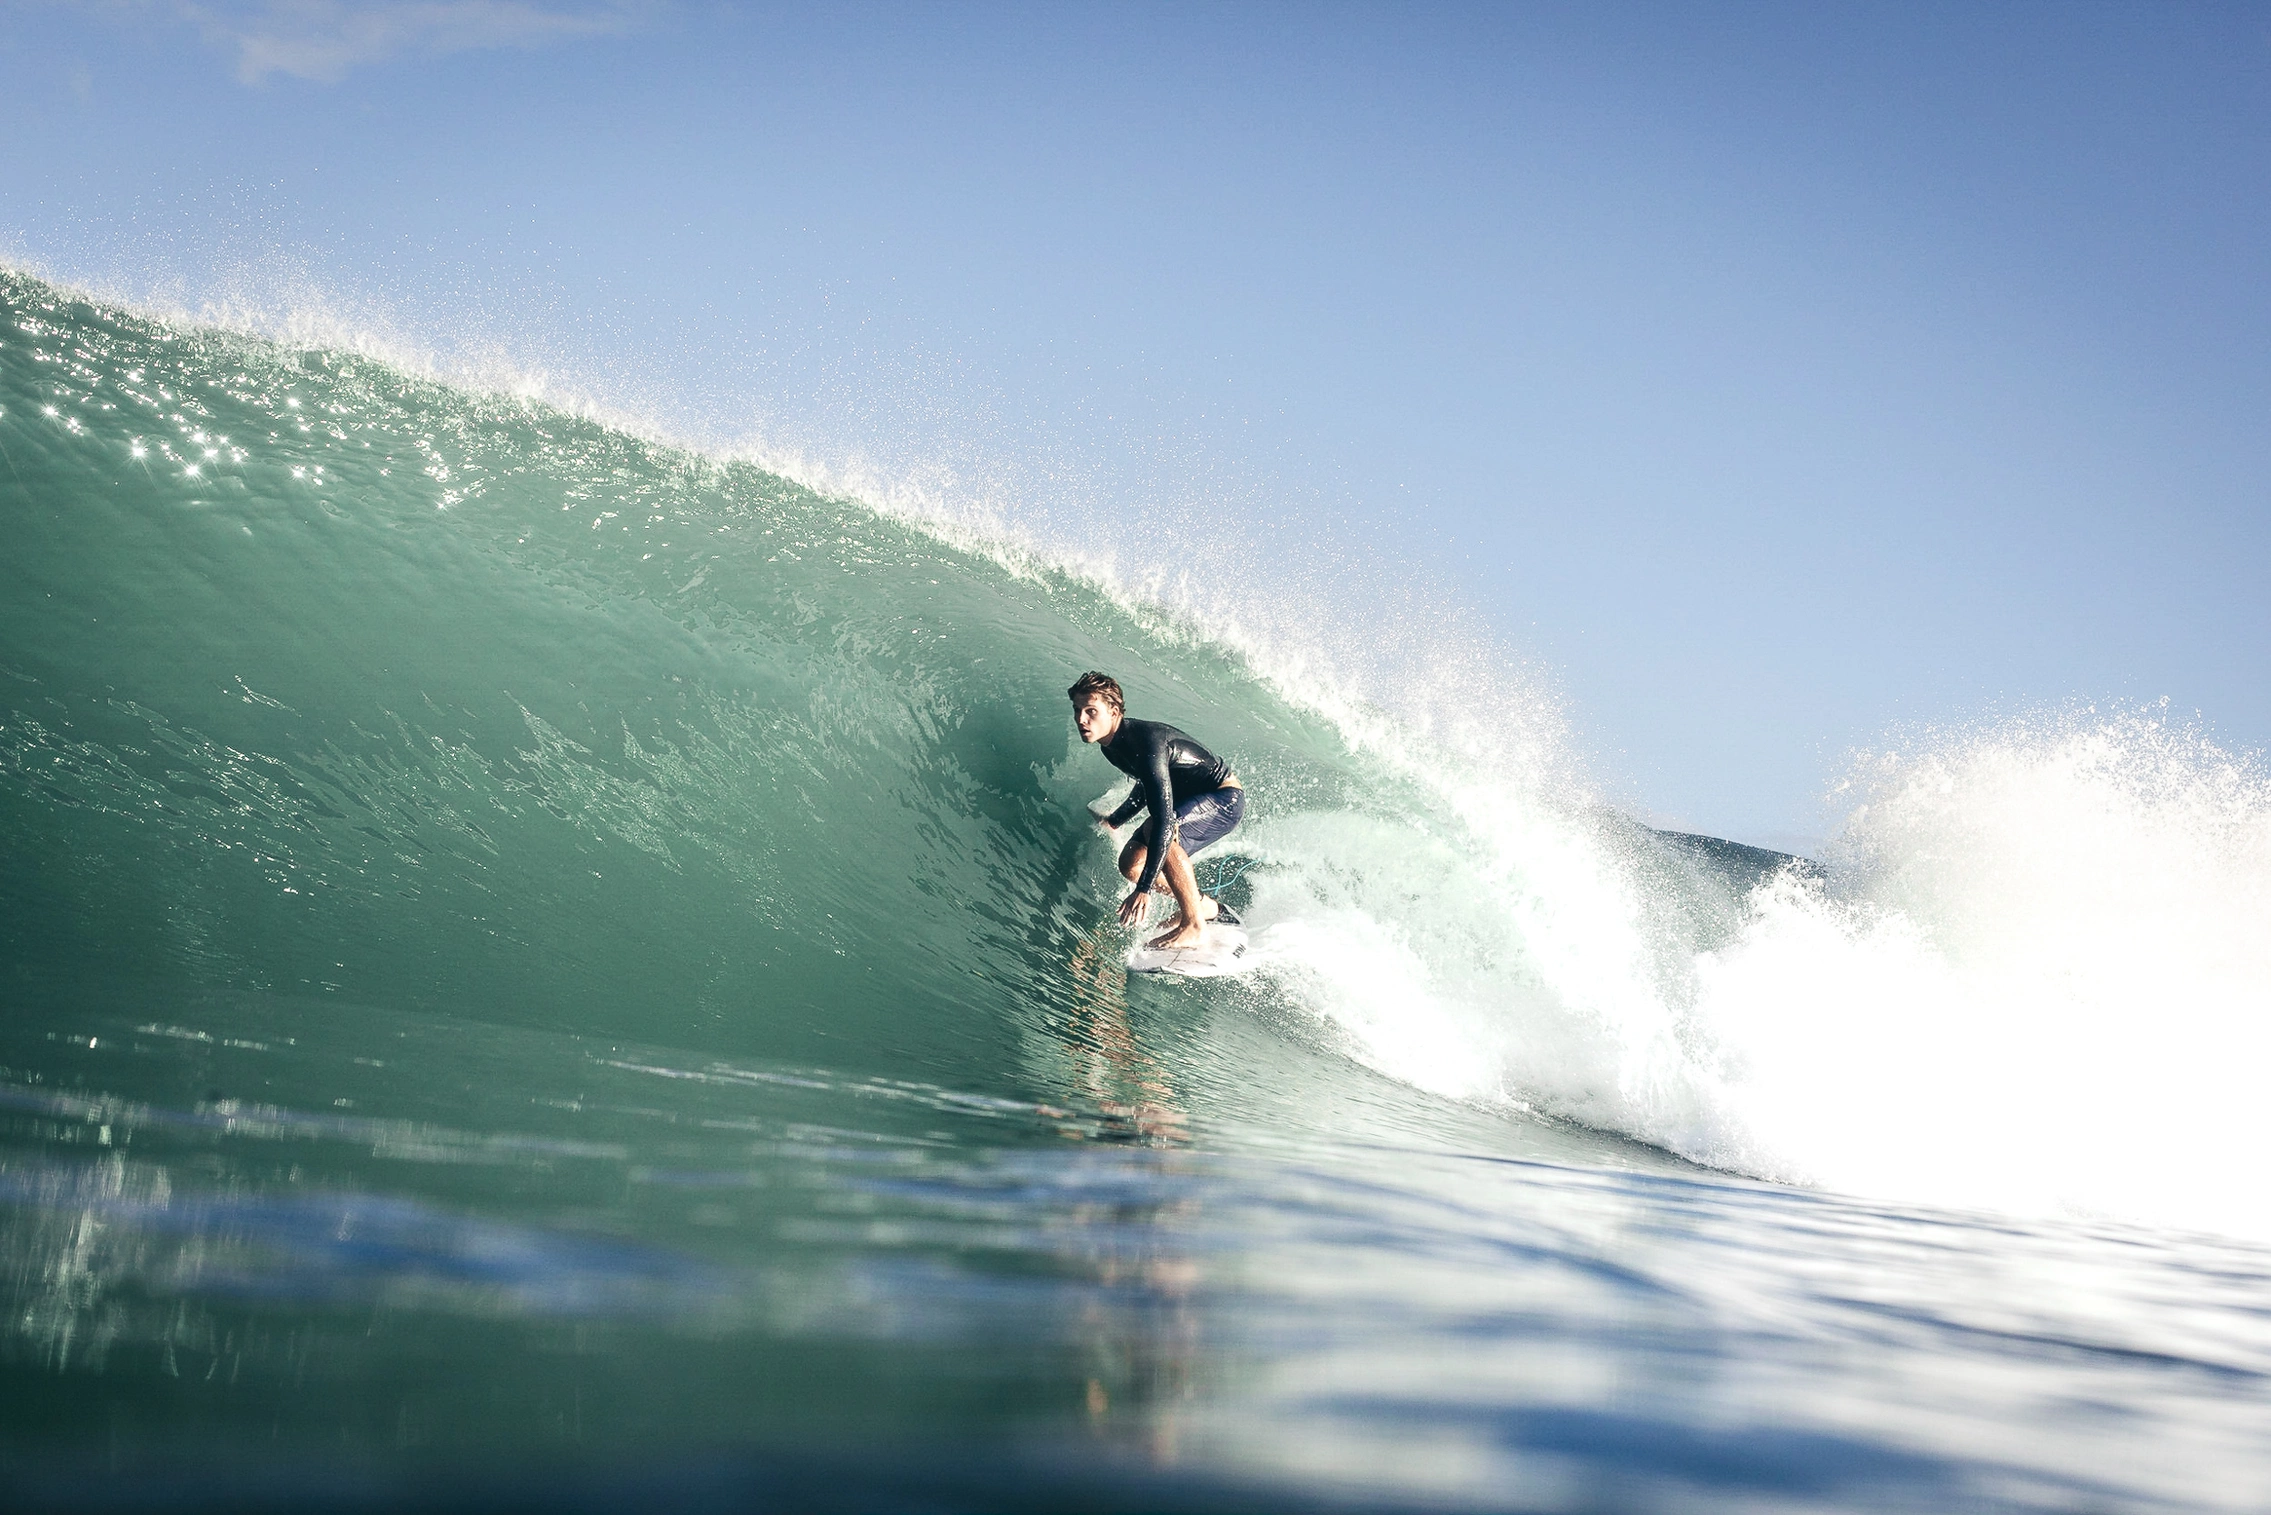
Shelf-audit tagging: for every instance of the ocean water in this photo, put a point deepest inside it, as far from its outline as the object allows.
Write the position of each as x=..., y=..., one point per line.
x=548, y=969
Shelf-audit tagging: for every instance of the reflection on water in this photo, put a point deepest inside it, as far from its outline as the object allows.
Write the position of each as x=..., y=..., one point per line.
x=1117, y=1077
x=631, y=1254
x=663, y=1210
x=1144, y=1358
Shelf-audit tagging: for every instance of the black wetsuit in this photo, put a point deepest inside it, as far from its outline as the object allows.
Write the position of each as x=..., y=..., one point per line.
x=1168, y=768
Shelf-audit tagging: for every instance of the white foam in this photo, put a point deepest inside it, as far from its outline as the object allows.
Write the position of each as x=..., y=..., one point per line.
x=2037, y=977
x=2048, y=983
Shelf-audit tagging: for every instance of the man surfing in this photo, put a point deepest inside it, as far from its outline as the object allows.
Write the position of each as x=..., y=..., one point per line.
x=1194, y=800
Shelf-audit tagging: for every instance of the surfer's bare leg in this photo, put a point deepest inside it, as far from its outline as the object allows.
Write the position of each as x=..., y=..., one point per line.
x=1196, y=909
x=1176, y=878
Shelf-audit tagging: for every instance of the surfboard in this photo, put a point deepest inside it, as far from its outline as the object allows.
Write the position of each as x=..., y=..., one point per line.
x=1219, y=951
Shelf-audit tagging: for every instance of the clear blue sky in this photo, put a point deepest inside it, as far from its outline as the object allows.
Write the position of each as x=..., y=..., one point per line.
x=1779, y=376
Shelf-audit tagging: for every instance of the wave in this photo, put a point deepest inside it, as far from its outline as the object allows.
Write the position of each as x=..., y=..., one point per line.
x=323, y=676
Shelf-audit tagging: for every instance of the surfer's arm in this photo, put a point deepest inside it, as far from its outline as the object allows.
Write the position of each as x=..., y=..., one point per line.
x=1158, y=792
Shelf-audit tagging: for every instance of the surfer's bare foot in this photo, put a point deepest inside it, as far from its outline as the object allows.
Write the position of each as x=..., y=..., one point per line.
x=1185, y=934
x=1208, y=907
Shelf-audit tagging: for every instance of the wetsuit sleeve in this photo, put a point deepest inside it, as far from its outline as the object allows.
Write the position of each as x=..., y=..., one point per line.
x=1159, y=793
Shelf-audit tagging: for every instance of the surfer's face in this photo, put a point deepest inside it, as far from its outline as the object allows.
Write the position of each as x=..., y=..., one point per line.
x=1096, y=719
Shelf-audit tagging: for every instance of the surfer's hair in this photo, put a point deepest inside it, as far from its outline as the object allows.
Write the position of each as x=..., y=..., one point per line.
x=1089, y=685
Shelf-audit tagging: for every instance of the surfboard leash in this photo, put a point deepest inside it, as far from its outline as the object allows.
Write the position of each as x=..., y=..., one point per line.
x=1224, y=877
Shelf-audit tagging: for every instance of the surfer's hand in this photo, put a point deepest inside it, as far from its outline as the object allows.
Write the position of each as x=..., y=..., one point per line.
x=1131, y=909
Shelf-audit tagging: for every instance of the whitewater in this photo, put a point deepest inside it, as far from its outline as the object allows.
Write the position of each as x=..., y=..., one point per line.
x=528, y=939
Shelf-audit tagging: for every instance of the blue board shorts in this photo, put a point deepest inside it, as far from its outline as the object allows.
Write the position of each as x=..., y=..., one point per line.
x=1204, y=819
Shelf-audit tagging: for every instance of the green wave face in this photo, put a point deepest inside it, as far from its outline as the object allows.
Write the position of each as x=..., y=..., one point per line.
x=323, y=680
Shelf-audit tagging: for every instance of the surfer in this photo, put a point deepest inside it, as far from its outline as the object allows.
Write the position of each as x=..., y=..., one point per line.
x=1194, y=800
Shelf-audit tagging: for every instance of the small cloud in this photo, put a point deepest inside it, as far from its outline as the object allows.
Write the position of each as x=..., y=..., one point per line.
x=82, y=81
x=322, y=39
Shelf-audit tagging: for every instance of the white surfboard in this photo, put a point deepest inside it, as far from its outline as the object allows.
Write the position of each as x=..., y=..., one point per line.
x=1220, y=950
